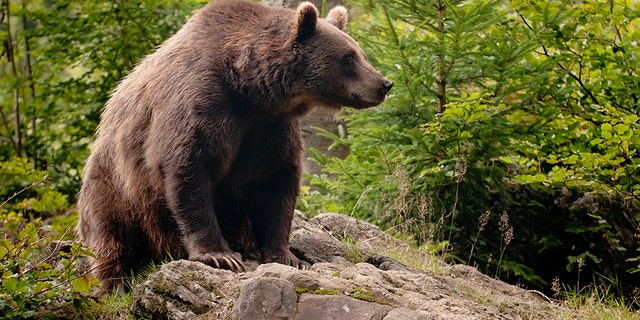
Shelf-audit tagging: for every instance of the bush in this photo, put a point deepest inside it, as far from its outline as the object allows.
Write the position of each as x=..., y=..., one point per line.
x=36, y=282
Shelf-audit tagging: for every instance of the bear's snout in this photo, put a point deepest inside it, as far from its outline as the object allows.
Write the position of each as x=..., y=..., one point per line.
x=374, y=94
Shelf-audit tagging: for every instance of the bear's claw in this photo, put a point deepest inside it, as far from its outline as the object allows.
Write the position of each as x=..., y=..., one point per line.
x=230, y=263
x=234, y=264
x=302, y=265
x=221, y=260
x=289, y=259
x=215, y=262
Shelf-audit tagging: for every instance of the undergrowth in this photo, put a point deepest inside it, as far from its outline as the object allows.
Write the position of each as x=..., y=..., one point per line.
x=39, y=280
x=603, y=301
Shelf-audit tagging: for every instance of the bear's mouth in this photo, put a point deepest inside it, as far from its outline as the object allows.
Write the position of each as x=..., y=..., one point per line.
x=355, y=101
x=362, y=103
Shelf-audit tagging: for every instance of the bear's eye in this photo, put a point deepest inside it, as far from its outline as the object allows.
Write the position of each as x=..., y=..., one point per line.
x=349, y=58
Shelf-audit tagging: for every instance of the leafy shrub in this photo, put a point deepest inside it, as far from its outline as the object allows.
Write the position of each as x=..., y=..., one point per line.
x=36, y=195
x=36, y=282
x=62, y=60
x=39, y=274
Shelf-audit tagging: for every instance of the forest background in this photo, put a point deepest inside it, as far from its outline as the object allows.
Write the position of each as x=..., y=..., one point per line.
x=509, y=142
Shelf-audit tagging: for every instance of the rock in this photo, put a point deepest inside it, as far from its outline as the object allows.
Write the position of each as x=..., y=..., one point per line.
x=336, y=286
x=386, y=263
x=406, y=314
x=315, y=243
x=318, y=307
x=266, y=299
x=366, y=236
x=330, y=235
x=183, y=289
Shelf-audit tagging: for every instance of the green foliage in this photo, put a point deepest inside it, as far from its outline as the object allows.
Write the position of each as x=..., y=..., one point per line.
x=62, y=60
x=35, y=282
x=35, y=197
x=590, y=146
x=519, y=106
x=597, y=68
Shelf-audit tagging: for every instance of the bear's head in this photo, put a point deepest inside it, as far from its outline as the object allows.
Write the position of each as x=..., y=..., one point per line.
x=334, y=68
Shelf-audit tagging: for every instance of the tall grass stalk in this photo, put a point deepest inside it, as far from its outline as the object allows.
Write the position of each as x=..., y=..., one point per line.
x=482, y=222
x=507, y=236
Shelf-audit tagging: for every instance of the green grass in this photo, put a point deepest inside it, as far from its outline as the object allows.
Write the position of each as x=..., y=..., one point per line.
x=113, y=306
x=596, y=302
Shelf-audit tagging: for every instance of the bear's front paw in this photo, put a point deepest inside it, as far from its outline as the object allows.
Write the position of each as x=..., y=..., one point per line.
x=223, y=260
x=289, y=259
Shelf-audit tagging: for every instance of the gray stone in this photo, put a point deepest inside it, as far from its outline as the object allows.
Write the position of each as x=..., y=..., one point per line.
x=368, y=238
x=183, y=289
x=323, y=307
x=265, y=299
x=406, y=314
x=317, y=244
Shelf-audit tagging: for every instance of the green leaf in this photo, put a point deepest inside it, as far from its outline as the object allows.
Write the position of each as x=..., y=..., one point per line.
x=595, y=141
x=621, y=128
x=571, y=159
x=82, y=284
x=10, y=284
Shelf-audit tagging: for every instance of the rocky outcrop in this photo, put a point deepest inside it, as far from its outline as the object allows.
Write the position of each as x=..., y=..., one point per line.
x=353, y=277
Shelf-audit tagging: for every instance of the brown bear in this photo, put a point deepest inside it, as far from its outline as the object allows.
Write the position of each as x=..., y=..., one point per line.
x=197, y=154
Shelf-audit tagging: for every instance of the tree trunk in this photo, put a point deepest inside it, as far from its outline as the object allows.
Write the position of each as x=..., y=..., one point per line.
x=320, y=117
x=443, y=70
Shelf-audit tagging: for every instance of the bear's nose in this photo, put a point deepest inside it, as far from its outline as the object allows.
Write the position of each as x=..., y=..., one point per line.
x=386, y=85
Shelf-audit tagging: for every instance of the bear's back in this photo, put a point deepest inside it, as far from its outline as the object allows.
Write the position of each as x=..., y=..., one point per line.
x=234, y=15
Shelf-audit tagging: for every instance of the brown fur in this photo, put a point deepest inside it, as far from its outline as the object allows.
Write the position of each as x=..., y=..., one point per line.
x=197, y=155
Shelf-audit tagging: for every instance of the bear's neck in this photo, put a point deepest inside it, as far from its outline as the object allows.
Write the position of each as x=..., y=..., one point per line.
x=299, y=107
x=267, y=90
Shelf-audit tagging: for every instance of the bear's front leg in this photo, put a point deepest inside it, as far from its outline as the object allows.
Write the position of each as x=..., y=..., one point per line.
x=274, y=201
x=189, y=193
x=274, y=216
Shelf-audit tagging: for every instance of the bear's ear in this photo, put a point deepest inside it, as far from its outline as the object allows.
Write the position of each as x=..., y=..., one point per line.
x=338, y=17
x=306, y=20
